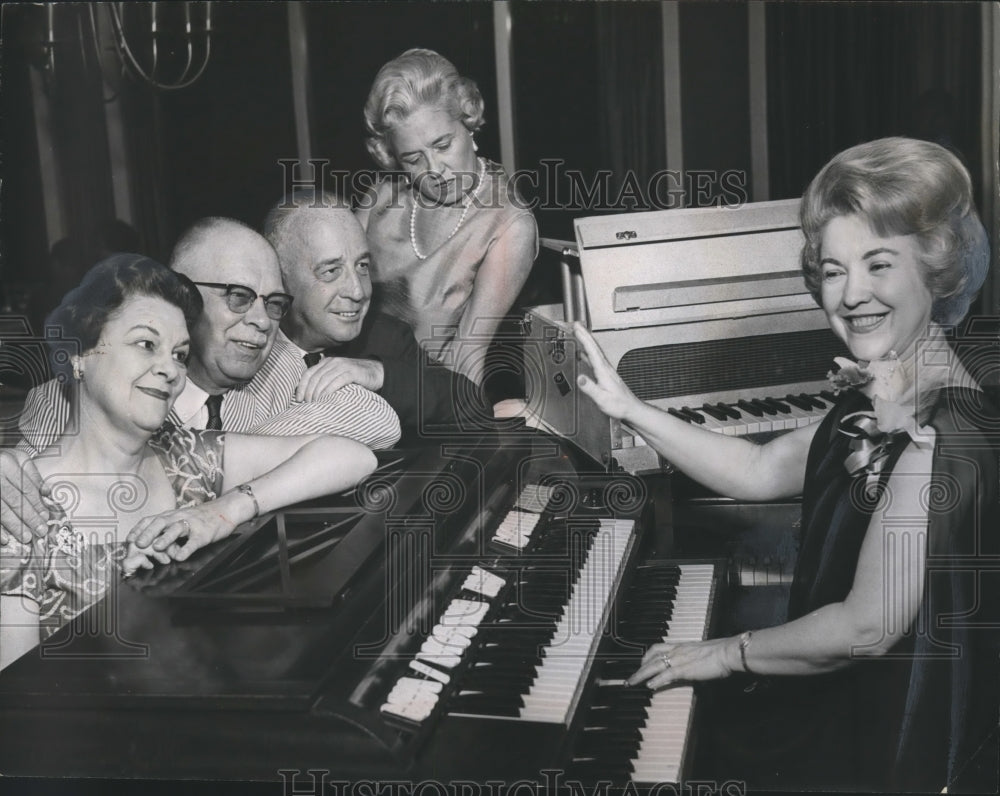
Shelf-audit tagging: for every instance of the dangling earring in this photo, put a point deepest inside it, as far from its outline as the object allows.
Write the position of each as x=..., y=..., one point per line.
x=475, y=146
x=77, y=370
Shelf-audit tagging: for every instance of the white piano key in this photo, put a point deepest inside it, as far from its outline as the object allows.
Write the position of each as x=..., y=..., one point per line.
x=560, y=675
x=430, y=671
x=484, y=582
x=664, y=733
x=534, y=497
x=445, y=659
x=450, y=639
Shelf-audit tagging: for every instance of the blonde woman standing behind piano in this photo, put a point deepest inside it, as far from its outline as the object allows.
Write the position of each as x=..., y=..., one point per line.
x=451, y=243
x=859, y=690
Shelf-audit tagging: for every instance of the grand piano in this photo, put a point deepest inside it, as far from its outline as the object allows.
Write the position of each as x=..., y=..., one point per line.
x=467, y=613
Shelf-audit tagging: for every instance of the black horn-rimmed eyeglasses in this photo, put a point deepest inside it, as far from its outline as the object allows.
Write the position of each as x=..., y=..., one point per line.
x=239, y=298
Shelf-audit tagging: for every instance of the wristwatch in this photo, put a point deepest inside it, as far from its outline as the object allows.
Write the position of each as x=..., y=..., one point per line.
x=247, y=490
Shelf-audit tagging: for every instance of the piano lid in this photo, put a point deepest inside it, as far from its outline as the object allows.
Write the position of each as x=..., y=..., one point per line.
x=689, y=265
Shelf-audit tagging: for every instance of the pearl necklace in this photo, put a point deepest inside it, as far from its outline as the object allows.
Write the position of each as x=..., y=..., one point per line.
x=461, y=219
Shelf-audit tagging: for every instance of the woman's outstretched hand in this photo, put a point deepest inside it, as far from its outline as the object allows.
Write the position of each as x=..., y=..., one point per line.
x=667, y=663
x=606, y=388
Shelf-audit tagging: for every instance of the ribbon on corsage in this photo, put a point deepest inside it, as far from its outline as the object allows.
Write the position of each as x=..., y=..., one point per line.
x=869, y=446
x=872, y=432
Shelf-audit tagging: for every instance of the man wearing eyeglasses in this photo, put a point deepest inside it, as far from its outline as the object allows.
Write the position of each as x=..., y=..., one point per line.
x=240, y=377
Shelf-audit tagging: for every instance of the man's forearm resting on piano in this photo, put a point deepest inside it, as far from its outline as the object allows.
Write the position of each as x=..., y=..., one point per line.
x=732, y=466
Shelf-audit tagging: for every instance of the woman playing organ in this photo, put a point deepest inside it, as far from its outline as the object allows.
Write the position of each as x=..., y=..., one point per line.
x=885, y=675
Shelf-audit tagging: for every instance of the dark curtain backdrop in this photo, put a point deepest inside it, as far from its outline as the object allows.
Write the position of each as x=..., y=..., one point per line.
x=349, y=43
x=630, y=90
x=213, y=147
x=23, y=244
x=35, y=279
x=843, y=73
x=144, y=148
x=79, y=133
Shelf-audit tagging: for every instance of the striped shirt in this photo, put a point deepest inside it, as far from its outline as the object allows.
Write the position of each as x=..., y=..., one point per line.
x=265, y=405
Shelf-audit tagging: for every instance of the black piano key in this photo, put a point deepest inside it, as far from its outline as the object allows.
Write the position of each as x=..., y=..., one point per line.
x=781, y=407
x=693, y=414
x=766, y=408
x=630, y=611
x=656, y=574
x=621, y=670
x=828, y=396
x=816, y=402
x=750, y=408
x=640, y=631
x=662, y=589
x=614, y=717
x=799, y=403
x=512, y=645
x=714, y=411
x=500, y=681
x=484, y=679
x=643, y=621
x=644, y=607
x=484, y=705
x=620, y=694
x=616, y=743
x=607, y=742
x=729, y=410
x=617, y=758
x=677, y=413
x=501, y=664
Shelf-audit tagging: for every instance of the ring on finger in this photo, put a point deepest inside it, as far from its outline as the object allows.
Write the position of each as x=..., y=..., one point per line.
x=187, y=526
x=666, y=661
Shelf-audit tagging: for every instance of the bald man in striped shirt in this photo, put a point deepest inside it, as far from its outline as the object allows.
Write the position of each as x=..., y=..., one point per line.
x=241, y=376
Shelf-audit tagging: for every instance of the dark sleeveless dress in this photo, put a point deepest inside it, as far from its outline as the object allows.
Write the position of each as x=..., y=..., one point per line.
x=920, y=717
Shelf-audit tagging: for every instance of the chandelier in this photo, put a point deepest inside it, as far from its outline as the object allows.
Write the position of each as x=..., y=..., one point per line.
x=164, y=45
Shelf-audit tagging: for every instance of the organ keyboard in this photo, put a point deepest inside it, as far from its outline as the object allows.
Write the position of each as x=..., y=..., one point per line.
x=454, y=624
x=628, y=734
x=546, y=645
x=757, y=416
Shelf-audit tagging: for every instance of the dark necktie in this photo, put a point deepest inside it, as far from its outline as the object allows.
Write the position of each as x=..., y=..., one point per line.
x=214, y=405
x=312, y=358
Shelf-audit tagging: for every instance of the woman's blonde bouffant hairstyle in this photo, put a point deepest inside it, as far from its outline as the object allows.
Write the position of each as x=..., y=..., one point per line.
x=904, y=186
x=415, y=79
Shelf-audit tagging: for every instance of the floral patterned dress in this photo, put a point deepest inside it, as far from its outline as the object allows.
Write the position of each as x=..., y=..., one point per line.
x=67, y=570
